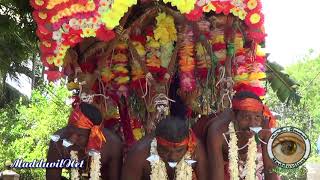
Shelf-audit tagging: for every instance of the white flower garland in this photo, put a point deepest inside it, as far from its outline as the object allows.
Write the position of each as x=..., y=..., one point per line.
x=158, y=168
x=250, y=167
x=233, y=153
x=251, y=159
x=74, y=172
x=94, y=166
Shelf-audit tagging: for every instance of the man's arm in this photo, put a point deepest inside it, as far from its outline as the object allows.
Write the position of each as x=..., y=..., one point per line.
x=215, y=156
x=267, y=162
x=53, y=173
x=133, y=166
x=202, y=163
x=112, y=169
x=268, y=165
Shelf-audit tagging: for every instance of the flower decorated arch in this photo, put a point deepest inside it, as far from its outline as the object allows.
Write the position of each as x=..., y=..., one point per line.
x=180, y=38
x=64, y=23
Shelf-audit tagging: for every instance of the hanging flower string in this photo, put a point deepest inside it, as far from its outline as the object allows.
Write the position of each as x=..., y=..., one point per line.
x=249, y=71
x=187, y=61
x=120, y=70
x=95, y=166
x=166, y=33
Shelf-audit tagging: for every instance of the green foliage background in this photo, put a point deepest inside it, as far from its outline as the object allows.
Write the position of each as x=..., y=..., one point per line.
x=25, y=129
x=306, y=115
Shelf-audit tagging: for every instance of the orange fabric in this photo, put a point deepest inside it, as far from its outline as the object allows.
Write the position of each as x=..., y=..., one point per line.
x=190, y=141
x=267, y=113
x=248, y=104
x=253, y=105
x=96, y=137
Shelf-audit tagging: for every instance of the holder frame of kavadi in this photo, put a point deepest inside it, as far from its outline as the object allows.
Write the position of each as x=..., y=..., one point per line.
x=123, y=55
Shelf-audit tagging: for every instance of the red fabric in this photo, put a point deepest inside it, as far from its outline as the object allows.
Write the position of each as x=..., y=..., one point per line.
x=96, y=137
x=125, y=123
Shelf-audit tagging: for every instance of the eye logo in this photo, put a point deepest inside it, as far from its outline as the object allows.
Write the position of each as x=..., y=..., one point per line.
x=289, y=147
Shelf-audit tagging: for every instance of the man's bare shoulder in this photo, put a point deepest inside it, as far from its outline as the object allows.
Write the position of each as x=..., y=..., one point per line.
x=111, y=137
x=142, y=147
x=60, y=132
x=215, y=133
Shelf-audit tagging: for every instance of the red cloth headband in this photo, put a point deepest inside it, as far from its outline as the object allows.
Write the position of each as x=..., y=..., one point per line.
x=190, y=141
x=254, y=105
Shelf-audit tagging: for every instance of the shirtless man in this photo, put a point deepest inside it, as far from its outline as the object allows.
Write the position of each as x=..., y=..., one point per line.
x=82, y=134
x=171, y=144
x=248, y=111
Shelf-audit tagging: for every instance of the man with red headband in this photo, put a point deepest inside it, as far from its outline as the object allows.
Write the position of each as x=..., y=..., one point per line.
x=230, y=135
x=84, y=139
x=171, y=153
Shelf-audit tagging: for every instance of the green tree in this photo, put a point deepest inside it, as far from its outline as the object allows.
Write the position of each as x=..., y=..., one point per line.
x=19, y=52
x=306, y=114
x=25, y=129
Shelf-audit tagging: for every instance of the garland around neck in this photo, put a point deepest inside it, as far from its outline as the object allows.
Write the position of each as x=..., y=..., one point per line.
x=95, y=165
x=183, y=170
x=250, y=167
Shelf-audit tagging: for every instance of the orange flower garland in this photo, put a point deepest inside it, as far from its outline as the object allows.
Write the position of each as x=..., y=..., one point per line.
x=120, y=70
x=187, y=61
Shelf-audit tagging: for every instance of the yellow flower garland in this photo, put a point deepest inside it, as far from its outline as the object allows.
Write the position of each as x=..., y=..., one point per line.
x=112, y=17
x=184, y=6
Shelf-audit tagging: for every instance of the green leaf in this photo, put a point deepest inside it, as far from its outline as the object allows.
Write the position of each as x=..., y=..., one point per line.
x=282, y=84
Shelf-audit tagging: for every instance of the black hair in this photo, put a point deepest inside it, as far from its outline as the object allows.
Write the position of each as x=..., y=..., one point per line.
x=246, y=94
x=92, y=112
x=177, y=108
x=173, y=129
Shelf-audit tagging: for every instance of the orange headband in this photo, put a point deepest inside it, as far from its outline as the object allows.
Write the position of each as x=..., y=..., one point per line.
x=79, y=120
x=190, y=141
x=248, y=104
x=254, y=105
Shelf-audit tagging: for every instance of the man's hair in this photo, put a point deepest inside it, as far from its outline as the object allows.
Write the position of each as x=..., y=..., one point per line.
x=246, y=94
x=92, y=112
x=172, y=129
